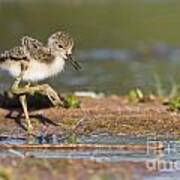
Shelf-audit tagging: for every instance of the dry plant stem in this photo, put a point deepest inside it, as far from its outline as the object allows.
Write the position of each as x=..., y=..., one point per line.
x=134, y=147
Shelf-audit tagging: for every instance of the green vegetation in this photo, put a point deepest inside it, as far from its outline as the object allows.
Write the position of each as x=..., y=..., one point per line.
x=135, y=95
x=71, y=101
x=161, y=90
x=175, y=103
x=72, y=138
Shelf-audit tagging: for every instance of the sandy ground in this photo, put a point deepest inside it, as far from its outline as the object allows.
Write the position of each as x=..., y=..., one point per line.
x=111, y=114
x=30, y=168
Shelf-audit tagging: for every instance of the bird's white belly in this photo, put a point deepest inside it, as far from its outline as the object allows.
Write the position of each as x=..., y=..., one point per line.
x=13, y=68
x=36, y=70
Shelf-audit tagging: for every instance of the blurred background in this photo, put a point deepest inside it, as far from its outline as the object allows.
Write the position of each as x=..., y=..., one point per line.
x=122, y=44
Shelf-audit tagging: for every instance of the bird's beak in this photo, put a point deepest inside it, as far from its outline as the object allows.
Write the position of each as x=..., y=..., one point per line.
x=73, y=62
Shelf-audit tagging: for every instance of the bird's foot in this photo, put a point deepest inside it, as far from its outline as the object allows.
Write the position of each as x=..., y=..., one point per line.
x=52, y=95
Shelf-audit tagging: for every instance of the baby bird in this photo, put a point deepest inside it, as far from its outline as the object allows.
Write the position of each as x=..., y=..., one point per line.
x=33, y=62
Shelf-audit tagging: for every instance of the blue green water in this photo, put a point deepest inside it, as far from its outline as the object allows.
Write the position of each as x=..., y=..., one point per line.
x=163, y=164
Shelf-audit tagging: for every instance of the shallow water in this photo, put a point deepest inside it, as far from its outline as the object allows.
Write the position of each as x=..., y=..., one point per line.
x=160, y=164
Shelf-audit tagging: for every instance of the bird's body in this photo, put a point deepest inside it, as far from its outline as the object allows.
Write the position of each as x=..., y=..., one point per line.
x=38, y=66
x=32, y=61
x=36, y=71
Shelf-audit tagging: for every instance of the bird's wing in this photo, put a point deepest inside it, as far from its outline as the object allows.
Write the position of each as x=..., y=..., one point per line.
x=17, y=53
x=31, y=43
x=42, y=54
x=36, y=50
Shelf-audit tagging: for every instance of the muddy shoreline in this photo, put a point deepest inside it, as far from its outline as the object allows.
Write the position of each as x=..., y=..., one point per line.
x=30, y=168
x=112, y=114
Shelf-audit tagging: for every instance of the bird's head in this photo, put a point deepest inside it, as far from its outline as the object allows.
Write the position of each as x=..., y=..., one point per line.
x=61, y=44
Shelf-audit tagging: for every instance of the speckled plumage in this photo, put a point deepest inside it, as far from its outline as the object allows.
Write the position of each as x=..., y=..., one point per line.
x=15, y=54
x=30, y=43
x=40, y=61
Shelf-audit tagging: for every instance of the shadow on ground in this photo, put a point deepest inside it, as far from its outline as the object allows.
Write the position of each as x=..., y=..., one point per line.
x=35, y=102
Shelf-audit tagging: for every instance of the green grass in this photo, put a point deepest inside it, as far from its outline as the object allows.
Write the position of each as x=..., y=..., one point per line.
x=135, y=95
x=71, y=101
x=175, y=103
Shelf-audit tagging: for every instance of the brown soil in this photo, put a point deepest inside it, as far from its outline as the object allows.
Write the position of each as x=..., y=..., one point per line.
x=30, y=168
x=111, y=114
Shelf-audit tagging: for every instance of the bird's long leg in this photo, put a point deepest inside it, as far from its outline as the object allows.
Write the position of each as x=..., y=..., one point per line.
x=28, y=84
x=52, y=95
x=15, y=86
x=16, y=90
x=23, y=101
x=16, y=83
x=44, y=89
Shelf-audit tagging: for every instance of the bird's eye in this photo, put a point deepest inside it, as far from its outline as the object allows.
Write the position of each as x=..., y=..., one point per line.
x=60, y=46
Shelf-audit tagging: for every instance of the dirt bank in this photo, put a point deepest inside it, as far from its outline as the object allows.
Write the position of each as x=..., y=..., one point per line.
x=111, y=114
x=30, y=168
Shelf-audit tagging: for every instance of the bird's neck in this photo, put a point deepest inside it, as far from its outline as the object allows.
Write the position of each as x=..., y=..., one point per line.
x=56, y=53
